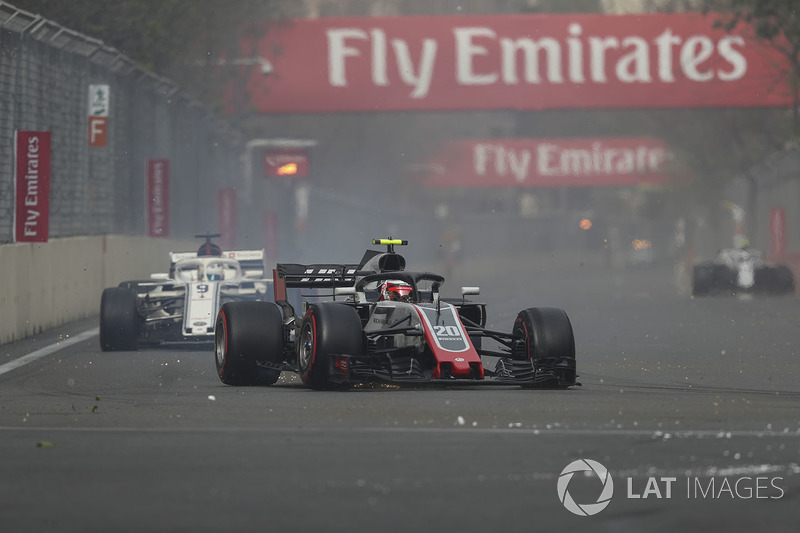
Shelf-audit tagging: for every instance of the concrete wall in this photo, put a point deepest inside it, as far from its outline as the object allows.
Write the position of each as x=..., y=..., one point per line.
x=43, y=285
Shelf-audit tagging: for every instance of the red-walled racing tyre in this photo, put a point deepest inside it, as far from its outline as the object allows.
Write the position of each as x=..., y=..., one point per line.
x=246, y=334
x=547, y=340
x=327, y=329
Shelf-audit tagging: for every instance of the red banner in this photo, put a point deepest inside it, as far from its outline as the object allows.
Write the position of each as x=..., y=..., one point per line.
x=157, y=195
x=525, y=61
x=226, y=218
x=575, y=162
x=32, y=185
x=777, y=233
x=286, y=163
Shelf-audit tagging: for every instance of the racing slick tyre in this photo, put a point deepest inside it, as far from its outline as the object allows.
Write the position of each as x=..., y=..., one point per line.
x=327, y=329
x=119, y=320
x=546, y=339
x=702, y=279
x=246, y=334
x=784, y=280
x=777, y=279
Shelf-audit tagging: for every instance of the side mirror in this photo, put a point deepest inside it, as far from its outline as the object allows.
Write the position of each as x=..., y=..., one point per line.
x=469, y=291
x=160, y=276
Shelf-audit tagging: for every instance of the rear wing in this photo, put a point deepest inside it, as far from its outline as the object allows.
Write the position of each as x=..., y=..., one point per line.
x=316, y=276
x=249, y=260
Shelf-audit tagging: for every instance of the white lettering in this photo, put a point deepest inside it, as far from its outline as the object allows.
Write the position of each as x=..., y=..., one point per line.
x=519, y=166
x=664, y=43
x=421, y=80
x=597, y=48
x=631, y=495
x=635, y=65
x=545, y=153
x=466, y=51
x=338, y=51
x=379, y=70
x=483, y=58
x=696, y=50
x=531, y=49
x=575, y=53
x=732, y=56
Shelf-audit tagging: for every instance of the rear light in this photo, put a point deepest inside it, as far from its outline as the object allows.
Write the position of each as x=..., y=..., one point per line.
x=341, y=364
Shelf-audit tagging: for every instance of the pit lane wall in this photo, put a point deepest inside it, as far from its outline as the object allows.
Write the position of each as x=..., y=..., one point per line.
x=44, y=285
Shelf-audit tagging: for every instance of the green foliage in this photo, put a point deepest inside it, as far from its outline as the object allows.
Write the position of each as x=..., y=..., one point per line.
x=776, y=22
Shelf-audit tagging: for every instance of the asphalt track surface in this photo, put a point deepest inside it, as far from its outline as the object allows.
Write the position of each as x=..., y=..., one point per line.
x=705, y=391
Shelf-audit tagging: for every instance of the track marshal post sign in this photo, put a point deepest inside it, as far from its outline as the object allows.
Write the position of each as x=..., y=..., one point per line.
x=99, y=101
x=32, y=186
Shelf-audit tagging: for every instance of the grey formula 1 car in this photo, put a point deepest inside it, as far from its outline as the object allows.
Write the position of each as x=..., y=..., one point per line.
x=383, y=323
x=741, y=270
x=181, y=305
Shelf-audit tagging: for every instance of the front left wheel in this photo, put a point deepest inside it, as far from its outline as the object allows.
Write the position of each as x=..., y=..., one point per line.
x=545, y=337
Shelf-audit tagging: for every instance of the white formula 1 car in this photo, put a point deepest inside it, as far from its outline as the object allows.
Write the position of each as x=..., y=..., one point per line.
x=741, y=270
x=181, y=305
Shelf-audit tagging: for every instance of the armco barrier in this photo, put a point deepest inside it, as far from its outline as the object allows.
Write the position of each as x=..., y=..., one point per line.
x=43, y=285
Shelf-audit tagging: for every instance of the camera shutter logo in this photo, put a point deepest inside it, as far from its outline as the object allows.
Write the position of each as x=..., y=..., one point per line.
x=585, y=465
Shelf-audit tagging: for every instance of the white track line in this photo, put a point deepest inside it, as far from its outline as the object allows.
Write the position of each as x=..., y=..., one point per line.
x=676, y=436
x=47, y=350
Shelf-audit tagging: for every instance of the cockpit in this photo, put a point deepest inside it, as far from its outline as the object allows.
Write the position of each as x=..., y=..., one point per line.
x=207, y=269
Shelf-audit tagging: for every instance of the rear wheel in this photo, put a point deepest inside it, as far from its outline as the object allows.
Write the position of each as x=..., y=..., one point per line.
x=327, y=330
x=247, y=339
x=547, y=340
x=119, y=320
x=702, y=279
x=783, y=280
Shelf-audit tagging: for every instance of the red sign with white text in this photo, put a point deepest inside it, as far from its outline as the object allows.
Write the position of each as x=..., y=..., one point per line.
x=157, y=197
x=226, y=218
x=98, y=132
x=522, y=61
x=286, y=163
x=32, y=186
x=572, y=162
x=777, y=232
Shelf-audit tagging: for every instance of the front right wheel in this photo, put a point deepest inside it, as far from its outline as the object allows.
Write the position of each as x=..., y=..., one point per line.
x=328, y=329
x=248, y=339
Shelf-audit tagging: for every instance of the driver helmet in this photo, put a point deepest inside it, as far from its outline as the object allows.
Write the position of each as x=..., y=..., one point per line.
x=395, y=290
x=214, y=272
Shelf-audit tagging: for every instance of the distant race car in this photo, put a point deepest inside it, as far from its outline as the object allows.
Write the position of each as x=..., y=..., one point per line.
x=181, y=305
x=741, y=270
x=382, y=323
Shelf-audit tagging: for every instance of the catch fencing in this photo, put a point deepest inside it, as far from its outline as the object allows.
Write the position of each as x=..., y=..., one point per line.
x=45, y=74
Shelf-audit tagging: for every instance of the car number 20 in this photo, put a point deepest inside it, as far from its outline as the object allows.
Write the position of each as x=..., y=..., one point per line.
x=447, y=331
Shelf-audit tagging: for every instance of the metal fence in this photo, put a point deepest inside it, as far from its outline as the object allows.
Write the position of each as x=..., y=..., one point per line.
x=45, y=74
